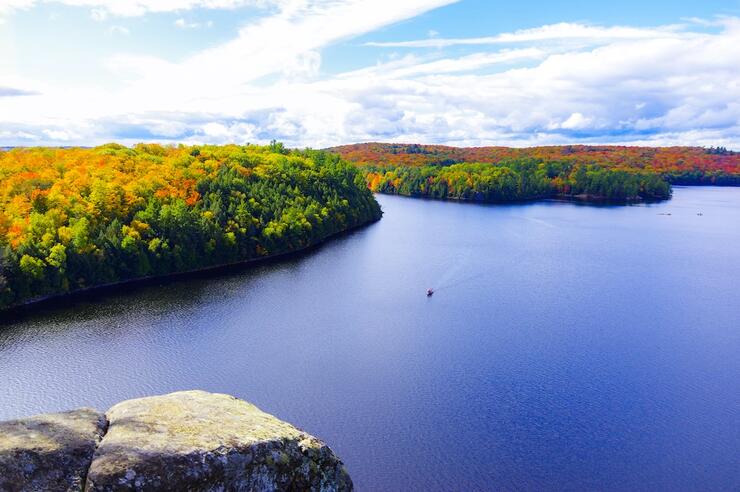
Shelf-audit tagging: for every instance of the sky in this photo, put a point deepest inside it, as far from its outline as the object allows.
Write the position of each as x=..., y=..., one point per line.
x=318, y=73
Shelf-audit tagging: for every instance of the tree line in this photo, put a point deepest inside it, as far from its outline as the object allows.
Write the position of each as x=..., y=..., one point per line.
x=677, y=165
x=518, y=179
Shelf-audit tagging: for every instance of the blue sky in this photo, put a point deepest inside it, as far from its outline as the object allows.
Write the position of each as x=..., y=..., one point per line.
x=326, y=72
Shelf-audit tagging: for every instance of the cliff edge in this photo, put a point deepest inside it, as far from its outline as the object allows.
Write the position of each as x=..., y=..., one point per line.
x=189, y=440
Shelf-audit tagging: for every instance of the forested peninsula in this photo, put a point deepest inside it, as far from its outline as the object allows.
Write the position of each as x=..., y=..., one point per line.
x=76, y=218
x=501, y=174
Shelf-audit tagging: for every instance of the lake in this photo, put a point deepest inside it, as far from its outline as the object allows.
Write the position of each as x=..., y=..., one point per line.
x=566, y=347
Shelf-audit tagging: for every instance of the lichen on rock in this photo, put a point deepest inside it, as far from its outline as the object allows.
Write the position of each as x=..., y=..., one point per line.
x=49, y=452
x=194, y=440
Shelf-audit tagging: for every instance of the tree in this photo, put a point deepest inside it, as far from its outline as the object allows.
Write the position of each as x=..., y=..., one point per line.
x=75, y=218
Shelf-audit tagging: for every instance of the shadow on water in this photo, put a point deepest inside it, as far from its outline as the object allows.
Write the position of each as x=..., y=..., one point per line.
x=171, y=290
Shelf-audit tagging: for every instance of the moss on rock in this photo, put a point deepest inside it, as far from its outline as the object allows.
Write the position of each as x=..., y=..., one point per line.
x=194, y=440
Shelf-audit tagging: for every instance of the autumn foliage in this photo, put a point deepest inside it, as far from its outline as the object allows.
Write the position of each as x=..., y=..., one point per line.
x=679, y=165
x=500, y=174
x=76, y=218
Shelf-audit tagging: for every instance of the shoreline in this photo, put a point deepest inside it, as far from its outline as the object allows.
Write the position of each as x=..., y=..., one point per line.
x=13, y=312
x=579, y=199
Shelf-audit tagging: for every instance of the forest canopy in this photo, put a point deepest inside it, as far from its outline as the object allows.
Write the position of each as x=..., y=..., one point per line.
x=522, y=179
x=77, y=218
x=500, y=174
x=678, y=165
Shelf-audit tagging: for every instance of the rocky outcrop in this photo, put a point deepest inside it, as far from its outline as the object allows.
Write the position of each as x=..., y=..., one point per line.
x=190, y=440
x=49, y=452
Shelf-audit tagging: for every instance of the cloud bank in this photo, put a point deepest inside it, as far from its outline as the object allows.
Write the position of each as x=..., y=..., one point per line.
x=561, y=83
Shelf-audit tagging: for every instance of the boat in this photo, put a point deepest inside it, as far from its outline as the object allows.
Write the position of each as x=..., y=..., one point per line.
x=430, y=292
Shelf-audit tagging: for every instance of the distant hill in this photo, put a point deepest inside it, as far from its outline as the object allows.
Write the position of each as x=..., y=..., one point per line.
x=680, y=165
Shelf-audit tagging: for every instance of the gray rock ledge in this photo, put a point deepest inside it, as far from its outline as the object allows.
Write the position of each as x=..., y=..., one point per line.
x=190, y=441
x=49, y=452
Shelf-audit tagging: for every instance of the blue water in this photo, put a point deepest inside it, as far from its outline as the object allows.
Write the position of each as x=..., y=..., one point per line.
x=567, y=347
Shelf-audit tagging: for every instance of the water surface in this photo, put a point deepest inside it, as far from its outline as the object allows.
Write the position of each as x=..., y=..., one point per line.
x=567, y=346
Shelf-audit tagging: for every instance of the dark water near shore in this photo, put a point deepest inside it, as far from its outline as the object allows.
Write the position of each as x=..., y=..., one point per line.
x=567, y=346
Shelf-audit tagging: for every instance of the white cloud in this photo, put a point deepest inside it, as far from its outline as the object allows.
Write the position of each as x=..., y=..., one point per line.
x=216, y=80
x=226, y=132
x=657, y=86
x=279, y=43
x=15, y=92
x=100, y=9
x=8, y=6
x=412, y=66
x=303, y=65
x=99, y=14
x=576, y=121
x=120, y=30
x=60, y=135
x=183, y=24
x=18, y=136
x=561, y=31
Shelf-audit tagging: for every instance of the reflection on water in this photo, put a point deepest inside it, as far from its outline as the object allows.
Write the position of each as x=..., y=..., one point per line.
x=566, y=346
